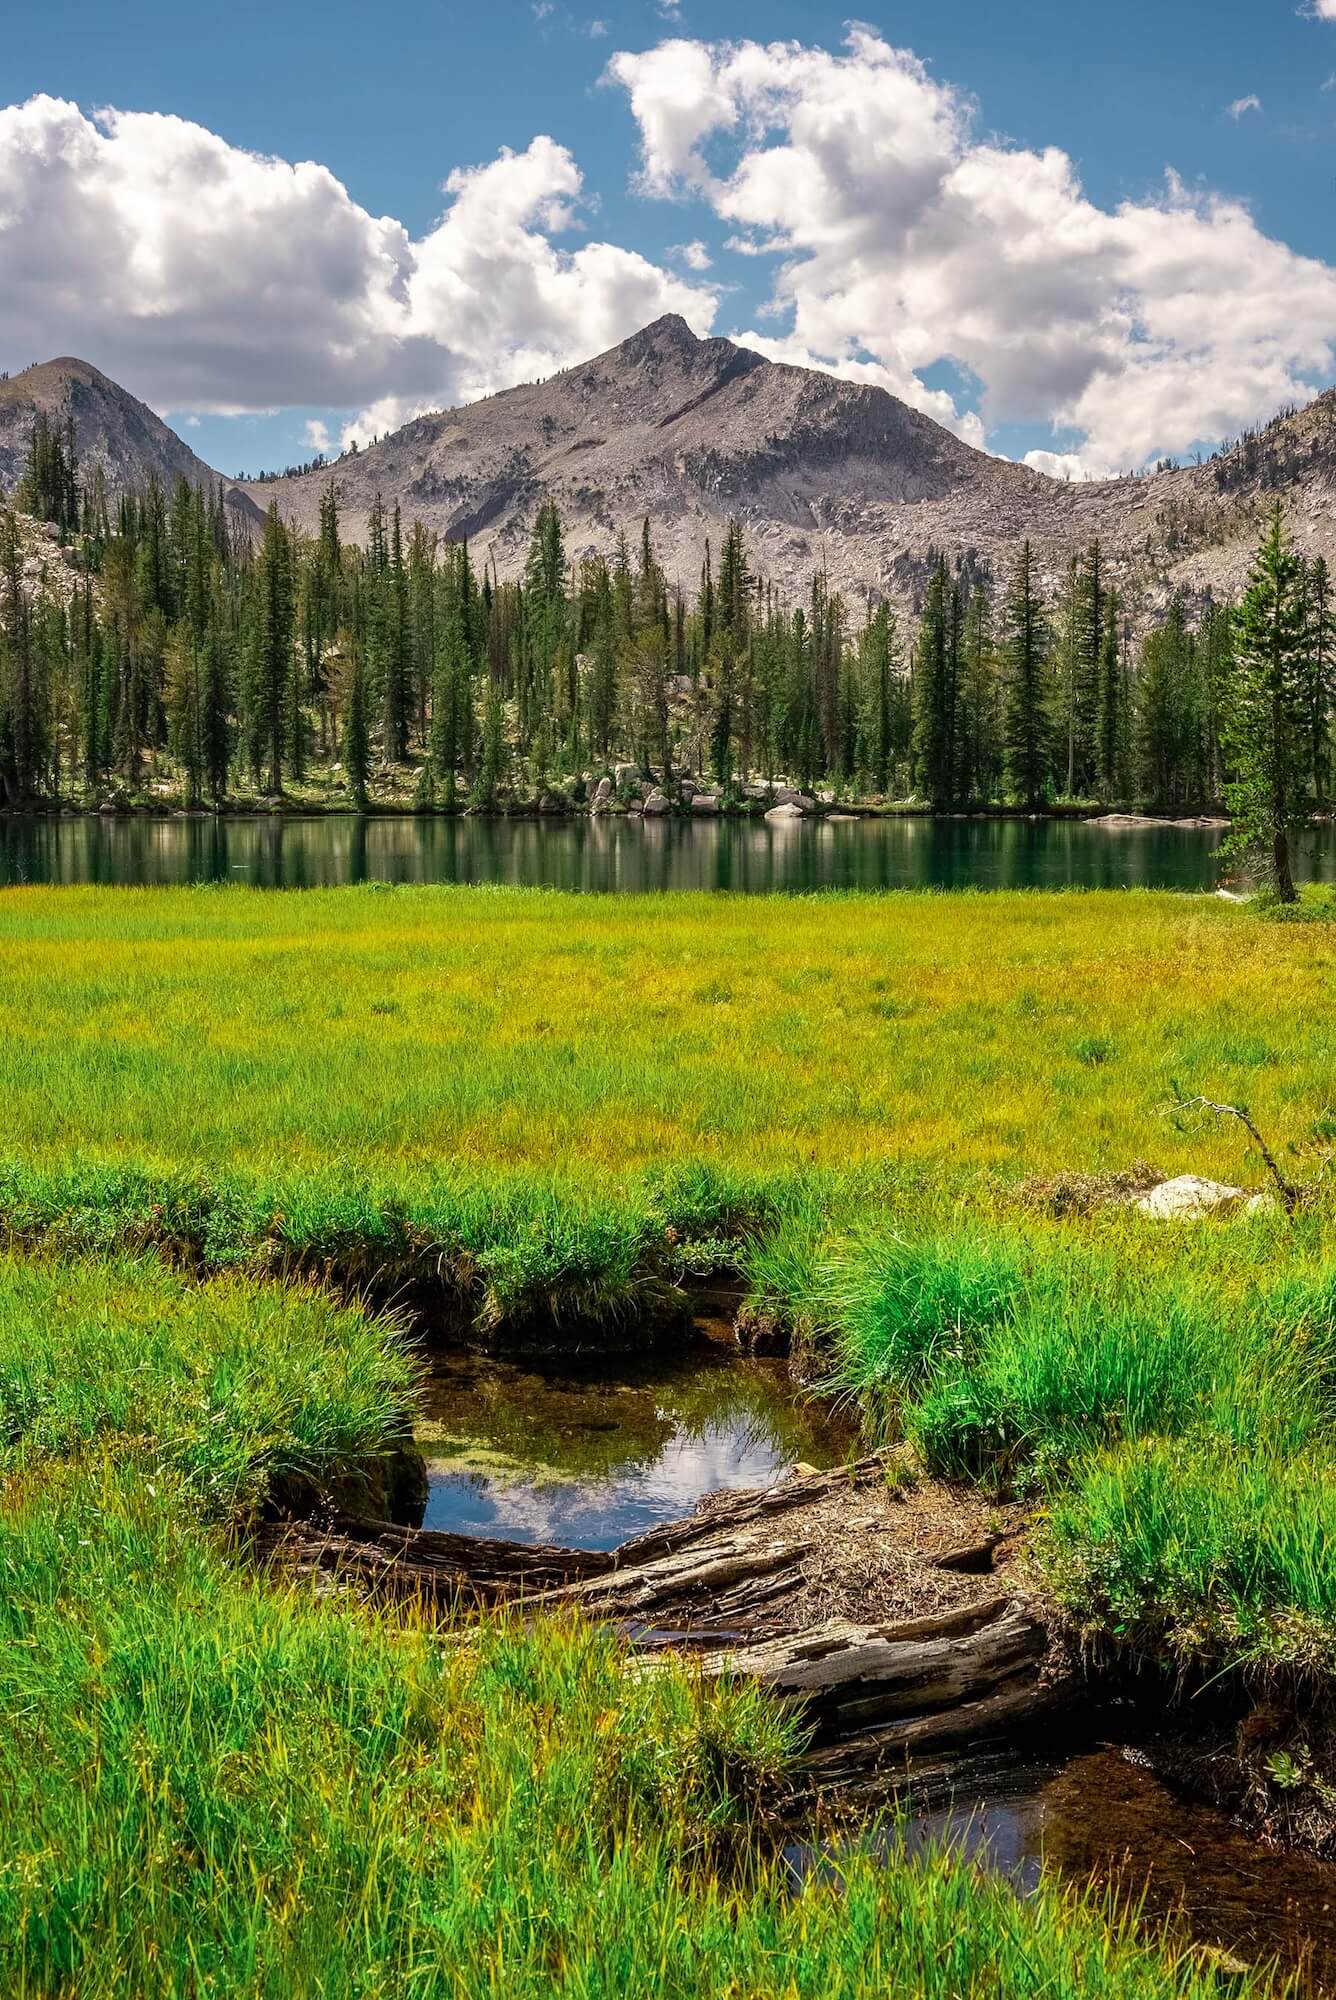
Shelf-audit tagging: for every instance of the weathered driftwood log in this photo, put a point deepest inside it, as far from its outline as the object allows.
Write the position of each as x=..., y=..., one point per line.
x=712, y=1570
x=848, y=1678
x=425, y=1564
x=872, y=1695
x=875, y=1696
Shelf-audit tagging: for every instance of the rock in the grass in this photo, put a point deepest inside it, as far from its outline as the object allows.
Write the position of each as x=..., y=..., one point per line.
x=1188, y=1197
x=602, y=795
x=655, y=804
x=785, y=812
x=624, y=775
x=787, y=796
x=705, y=802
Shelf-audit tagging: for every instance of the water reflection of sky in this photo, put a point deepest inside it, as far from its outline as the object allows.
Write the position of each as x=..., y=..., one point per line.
x=600, y=1513
x=516, y=1455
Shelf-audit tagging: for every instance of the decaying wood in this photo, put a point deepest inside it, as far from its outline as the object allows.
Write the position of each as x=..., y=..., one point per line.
x=746, y=1584
x=425, y=1564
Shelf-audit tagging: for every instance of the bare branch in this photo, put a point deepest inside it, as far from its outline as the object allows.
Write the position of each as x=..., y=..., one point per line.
x=1289, y=1194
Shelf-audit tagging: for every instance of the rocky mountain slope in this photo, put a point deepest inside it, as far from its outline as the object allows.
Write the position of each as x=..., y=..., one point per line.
x=823, y=473
x=112, y=429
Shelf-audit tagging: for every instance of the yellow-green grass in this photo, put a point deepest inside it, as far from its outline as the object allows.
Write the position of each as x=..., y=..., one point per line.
x=546, y=1086
x=212, y=1782
x=398, y=1031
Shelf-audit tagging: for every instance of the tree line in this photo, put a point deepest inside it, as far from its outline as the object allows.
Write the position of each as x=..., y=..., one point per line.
x=176, y=644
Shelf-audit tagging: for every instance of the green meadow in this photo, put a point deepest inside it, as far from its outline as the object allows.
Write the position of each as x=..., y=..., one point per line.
x=888, y=1116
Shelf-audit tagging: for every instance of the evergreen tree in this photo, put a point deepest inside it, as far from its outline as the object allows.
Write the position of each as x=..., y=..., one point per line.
x=271, y=645
x=356, y=735
x=1320, y=673
x=936, y=666
x=1025, y=651
x=1267, y=720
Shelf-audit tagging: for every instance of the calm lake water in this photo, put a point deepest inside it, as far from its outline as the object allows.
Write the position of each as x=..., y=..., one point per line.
x=617, y=854
x=589, y=1456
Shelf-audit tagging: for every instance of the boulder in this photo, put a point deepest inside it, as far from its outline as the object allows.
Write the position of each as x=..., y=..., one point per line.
x=1188, y=1197
x=625, y=776
x=785, y=813
x=602, y=793
x=656, y=804
x=705, y=802
x=787, y=796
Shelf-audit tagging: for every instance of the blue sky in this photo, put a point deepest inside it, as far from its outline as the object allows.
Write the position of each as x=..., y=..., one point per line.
x=1136, y=343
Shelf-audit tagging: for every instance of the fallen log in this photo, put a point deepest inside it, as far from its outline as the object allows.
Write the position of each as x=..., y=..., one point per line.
x=426, y=1564
x=849, y=1678
x=744, y=1585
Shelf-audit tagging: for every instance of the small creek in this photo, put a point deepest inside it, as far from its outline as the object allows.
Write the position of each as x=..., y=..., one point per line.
x=588, y=1454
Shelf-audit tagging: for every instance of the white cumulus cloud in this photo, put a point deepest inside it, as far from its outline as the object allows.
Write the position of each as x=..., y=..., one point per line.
x=1252, y=102
x=207, y=278
x=904, y=237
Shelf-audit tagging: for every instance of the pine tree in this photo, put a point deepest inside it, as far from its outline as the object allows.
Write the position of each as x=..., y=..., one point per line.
x=356, y=735
x=1025, y=652
x=1320, y=676
x=981, y=719
x=1266, y=732
x=271, y=643
x=397, y=672
x=936, y=664
x=1111, y=721
x=185, y=711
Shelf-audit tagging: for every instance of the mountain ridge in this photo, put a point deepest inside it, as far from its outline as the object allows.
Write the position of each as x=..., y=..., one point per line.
x=824, y=474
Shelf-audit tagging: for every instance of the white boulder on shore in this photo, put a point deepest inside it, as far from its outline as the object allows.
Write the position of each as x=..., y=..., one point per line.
x=1189, y=1197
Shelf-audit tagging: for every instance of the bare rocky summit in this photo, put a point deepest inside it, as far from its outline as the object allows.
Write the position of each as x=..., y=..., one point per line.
x=823, y=473
x=113, y=431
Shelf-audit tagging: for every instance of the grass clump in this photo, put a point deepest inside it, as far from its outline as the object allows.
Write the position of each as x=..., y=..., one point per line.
x=1194, y=1549
x=231, y=1385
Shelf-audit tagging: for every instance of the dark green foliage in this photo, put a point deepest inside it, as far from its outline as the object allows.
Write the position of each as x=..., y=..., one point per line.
x=1025, y=652
x=1268, y=720
x=296, y=646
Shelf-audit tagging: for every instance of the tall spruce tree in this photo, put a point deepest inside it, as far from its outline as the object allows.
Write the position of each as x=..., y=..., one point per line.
x=1266, y=723
x=1025, y=642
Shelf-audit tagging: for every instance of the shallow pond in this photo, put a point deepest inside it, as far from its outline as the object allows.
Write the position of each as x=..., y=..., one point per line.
x=588, y=1455
x=746, y=856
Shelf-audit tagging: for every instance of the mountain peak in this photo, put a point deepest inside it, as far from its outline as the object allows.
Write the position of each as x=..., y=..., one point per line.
x=667, y=338
x=113, y=430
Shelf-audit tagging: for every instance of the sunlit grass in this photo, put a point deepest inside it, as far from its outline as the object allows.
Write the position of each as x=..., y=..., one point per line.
x=213, y=1782
x=544, y=1097
x=395, y=1031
